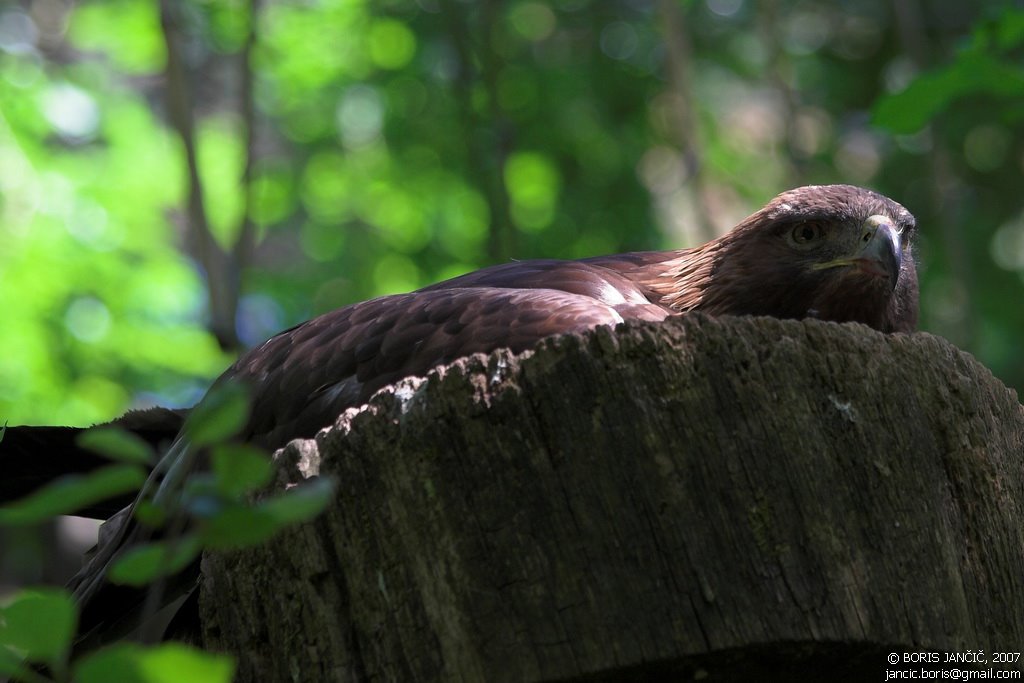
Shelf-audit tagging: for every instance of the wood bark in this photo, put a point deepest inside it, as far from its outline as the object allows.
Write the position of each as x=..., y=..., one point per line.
x=710, y=499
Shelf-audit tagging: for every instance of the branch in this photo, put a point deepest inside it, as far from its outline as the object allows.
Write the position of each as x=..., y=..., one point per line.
x=678, y=54
x=220, y=275
x=243, y=248
x=31, y=457
x=503, y=235
x=779, y=67
x=489, y=175
x=945, y=204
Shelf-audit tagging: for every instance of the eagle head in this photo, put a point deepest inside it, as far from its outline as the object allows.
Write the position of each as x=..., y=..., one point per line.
x=835, y=252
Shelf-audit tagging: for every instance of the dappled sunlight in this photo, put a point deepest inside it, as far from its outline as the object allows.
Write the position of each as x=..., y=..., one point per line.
x=386, y=147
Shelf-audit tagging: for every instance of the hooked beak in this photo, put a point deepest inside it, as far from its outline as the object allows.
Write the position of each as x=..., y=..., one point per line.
x=878, y=251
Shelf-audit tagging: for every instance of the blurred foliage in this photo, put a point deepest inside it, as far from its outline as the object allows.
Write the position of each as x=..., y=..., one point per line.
x=38, y=626
x=399, y=142
x=167, y=663
x=225, y=508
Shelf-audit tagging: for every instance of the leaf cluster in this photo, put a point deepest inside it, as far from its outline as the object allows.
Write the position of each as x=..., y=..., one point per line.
x=221, y=509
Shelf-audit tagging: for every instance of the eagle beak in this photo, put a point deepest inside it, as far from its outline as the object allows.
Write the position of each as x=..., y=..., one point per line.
x=878, y=251
x=882, y=247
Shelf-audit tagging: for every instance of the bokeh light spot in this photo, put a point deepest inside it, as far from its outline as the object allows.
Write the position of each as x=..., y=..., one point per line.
x=18, y=33
x=619, y=40
x=533, y=20
x=859, y=156
x=1007, y=246
x=661, y=170
x=462, y=225
x=533, y=184
x=88, y=222
x=72, y=112
x=324, y=186
x=88, y=319
x=806, y=32
x=272, y=196
x=360, y=116
x=392, y=44
x=322, y=242
x=259, y=316
x=725, y=8
x=986, y=146
x=394, y=274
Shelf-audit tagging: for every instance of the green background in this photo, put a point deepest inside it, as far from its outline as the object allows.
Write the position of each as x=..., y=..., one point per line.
x=397, y=143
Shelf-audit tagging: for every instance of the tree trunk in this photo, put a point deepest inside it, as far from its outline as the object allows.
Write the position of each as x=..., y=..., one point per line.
x=717, y=499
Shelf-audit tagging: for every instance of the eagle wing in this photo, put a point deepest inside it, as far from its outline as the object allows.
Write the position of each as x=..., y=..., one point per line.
x=301, y=379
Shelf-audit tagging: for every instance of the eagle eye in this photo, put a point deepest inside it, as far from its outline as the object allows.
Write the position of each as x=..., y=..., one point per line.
x=804, y=234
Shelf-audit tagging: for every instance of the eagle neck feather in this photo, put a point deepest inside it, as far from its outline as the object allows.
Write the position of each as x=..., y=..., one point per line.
x=683, y=281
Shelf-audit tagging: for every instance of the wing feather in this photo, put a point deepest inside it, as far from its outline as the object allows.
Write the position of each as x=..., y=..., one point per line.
x=303, y=378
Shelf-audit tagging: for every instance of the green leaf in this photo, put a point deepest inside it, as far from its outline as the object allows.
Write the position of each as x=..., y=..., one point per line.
x=239, y=469
x=301, y=503
x=932, y=92
x=168, y=663
x=116, y=663
x=129, y=32
x=71, y=493
x=239, y=526
x=1010, y=29
x=150, y=514
x=117, y=444
x=40, y=624
x=14, y=666
x=10, y=663
x=145, y=563
x=201, y=485
x=221, y=414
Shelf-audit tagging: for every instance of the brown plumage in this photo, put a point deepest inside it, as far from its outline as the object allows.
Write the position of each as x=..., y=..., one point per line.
x=304, y=377
x=833, y=252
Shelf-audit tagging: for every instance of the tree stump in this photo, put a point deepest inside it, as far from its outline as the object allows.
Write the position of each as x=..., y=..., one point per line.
x=704, y=499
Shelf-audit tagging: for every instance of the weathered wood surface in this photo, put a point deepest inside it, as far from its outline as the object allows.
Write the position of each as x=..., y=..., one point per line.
x=711, y=499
